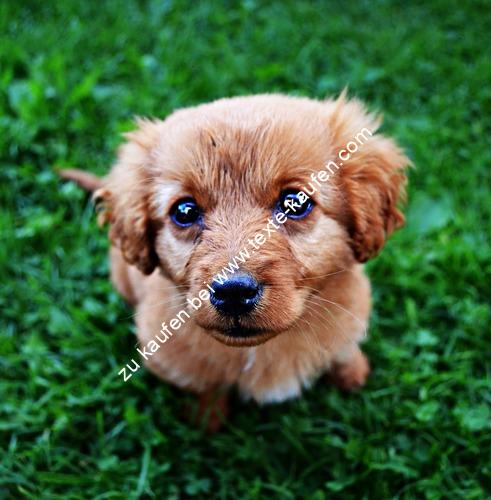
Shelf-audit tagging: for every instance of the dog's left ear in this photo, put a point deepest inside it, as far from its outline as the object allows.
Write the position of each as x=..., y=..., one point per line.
x=372, y=179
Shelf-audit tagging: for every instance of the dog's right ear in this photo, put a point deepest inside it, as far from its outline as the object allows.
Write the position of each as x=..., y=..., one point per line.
x=123, y=201
x=372, y=178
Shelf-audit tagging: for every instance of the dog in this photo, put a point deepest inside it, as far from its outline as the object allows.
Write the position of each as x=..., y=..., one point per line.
x=189, y=193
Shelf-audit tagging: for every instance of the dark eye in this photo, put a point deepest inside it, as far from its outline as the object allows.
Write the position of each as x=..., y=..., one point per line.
x=295, y=204
x=185, y=212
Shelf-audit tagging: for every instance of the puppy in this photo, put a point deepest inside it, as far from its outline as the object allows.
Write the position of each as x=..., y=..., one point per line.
x=186, y=201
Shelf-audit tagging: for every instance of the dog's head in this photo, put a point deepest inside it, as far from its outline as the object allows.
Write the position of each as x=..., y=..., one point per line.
x=213, y=196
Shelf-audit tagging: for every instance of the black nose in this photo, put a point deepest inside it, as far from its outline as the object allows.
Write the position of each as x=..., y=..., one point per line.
x=236, y=295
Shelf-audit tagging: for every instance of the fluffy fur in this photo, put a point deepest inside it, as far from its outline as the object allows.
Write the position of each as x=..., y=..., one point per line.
x=235, y=156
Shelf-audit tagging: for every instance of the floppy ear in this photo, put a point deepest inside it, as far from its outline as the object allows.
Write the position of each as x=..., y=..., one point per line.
x=124, y=199
x=372, y=180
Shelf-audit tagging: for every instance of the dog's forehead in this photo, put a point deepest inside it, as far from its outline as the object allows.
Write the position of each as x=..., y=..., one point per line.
x=216, y=160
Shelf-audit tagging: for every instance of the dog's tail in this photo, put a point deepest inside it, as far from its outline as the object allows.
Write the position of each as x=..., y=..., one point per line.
x=85, y=180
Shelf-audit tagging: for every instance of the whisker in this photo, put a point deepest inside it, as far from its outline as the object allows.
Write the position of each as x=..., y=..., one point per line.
x=326, y=275
x=347, y=311
x=179, y=302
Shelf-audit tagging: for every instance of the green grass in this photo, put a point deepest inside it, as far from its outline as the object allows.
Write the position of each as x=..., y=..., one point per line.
x=72, y=77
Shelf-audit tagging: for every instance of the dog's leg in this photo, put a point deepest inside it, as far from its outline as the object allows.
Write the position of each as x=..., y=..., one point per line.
x=350, y=370
x=213, y=409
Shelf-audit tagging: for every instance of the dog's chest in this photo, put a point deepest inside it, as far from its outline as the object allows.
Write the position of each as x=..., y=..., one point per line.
x=269, y=373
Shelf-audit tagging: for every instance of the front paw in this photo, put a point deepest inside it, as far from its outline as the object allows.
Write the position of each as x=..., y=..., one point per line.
x=213, y=409
x=350, y=374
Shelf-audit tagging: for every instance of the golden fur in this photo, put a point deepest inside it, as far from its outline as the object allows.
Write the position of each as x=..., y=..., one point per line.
x=234, y=156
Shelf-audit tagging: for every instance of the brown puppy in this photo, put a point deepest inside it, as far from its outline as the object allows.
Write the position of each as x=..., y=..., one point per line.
x=190, y=193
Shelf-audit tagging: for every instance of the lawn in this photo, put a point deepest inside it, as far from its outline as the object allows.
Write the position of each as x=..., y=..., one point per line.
x=72, y=77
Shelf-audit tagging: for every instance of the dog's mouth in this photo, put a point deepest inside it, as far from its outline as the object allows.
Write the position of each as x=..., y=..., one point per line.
x=239, y=334
x=242, y=331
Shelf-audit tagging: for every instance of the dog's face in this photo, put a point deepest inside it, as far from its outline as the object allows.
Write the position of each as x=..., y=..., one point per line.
x=213, y=197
